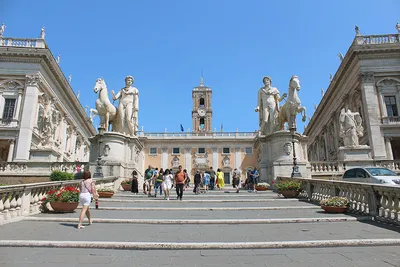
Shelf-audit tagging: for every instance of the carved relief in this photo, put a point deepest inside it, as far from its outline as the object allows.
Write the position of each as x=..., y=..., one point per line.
x=287, y=148
x=33, y=79
x=106, y=150
x=367, y=76
x=226, y=162
x=201, y=160
x=48, y=121
x=175, y=162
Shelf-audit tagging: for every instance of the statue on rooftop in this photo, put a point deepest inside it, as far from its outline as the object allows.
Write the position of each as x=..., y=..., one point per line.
x=2, y=29
x=357, y=30
x=42, y=33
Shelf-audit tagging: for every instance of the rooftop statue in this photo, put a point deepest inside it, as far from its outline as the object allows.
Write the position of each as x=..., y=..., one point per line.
x=2, y=29
x=268, y=107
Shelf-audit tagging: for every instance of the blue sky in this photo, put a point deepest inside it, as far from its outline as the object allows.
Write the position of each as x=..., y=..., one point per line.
x=165, y=44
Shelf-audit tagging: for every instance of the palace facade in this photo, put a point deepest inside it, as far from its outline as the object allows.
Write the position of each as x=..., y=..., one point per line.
x=42, y=120
x=368, y=82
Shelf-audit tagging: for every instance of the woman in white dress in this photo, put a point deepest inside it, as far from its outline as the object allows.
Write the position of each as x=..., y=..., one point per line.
x=167, y=183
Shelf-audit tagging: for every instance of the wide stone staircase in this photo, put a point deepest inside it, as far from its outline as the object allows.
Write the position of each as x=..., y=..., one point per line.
x=218, y=228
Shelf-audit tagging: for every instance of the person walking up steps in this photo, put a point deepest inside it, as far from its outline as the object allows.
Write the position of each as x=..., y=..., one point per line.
x=179, y=181
x=87, y=189
x=148, y=176
x=158, y=184
x=212, y=178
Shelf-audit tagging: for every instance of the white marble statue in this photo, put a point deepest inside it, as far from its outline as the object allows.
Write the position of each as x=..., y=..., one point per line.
x=350, y=127
x=357, y=30
x=106, y=111
x=341, y=57
x=398, y=27
x=2, y=29
x=292, y=106
x=128, y=107
x=268, y=107
x=42, y=33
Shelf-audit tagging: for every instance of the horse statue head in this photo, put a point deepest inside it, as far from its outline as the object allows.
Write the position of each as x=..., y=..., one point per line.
x=294, y=83
x=100, y=85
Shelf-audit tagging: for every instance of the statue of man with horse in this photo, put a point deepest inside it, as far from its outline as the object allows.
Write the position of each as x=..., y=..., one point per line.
x=123, y=119
x=272, y=117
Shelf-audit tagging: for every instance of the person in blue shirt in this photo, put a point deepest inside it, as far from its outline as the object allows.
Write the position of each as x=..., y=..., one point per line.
x=254, y=176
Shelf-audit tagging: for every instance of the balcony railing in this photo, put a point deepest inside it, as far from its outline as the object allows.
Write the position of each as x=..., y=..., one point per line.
x=391, y=120
x=336, y=168
x=378, y=201
x=22, y=42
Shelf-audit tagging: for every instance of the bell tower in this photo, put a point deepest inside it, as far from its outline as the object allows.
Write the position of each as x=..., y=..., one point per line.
x=202, y=111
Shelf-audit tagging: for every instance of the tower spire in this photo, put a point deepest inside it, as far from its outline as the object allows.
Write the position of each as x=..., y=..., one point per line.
x=201, y=78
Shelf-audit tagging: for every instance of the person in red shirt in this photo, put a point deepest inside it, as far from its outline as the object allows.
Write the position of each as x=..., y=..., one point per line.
x=179, y=182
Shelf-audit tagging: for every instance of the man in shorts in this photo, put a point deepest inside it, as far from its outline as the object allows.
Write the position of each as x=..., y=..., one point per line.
x=148, y=178
x=254, y=176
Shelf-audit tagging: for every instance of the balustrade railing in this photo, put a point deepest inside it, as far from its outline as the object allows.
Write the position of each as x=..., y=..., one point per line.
x=337, y=168
x=326, y=166
x=391, y=120
x=39, y=168
x=22, y=42
x=378, y=201
x=381, y=39
x=198, y=135
x=17, y=201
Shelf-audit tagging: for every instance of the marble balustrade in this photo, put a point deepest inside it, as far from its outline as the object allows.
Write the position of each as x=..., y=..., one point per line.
x=379, y=201
x=17, y=201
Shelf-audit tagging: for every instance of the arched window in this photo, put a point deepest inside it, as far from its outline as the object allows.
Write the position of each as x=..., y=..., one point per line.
x=201, y=102
x=201, y=123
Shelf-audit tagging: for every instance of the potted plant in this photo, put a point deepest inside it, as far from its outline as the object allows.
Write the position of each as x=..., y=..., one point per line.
x=105, y=192
x=335, y=204
x=64, y=199
x=126, y=185
x=288, y=189
x=262, y=186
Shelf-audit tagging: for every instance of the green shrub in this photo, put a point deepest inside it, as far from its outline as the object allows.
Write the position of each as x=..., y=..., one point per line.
x=289, y=185
x=61, y=176
x=3, y=184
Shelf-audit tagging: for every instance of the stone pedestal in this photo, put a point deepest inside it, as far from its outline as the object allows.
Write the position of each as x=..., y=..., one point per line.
x=117, y=155
x=275, y=155
x=355, y=156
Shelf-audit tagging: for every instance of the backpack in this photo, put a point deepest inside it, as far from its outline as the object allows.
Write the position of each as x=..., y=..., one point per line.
x=148, y=174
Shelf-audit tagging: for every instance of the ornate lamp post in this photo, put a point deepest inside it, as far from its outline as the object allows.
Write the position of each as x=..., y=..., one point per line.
x=99, y=170
x=295, y=170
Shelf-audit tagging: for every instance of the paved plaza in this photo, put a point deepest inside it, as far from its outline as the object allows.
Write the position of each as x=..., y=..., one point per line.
x=213, y=229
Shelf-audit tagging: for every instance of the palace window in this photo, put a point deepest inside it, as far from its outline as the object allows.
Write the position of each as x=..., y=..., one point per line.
x=153, y=151
x=248, y=150
x=9, y=107
x=201, y=102
x=226, y=150
x=201, y=150
x=391, y=106
x=176, y=150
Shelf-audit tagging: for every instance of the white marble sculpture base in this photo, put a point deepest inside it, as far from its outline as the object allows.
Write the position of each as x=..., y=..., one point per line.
x=117, y=153
x=355, y=156
x=276, y=155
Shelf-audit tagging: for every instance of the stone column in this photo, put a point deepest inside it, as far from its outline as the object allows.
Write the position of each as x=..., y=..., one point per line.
x=11, y=150
x=238, y=158
x=19, y=104
x=389, y=151
x=164, y=158
x=188, y=159
x=28, y=117
x=215, y=158
x=62, y=137
x=73, y=143
x=372, y=116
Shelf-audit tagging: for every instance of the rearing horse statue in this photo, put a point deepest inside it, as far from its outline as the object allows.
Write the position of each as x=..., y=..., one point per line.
x=106, y=111
x=292, y=106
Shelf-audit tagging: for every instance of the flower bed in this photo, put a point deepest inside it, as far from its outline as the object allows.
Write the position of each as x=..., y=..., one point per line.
x=335, y=204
